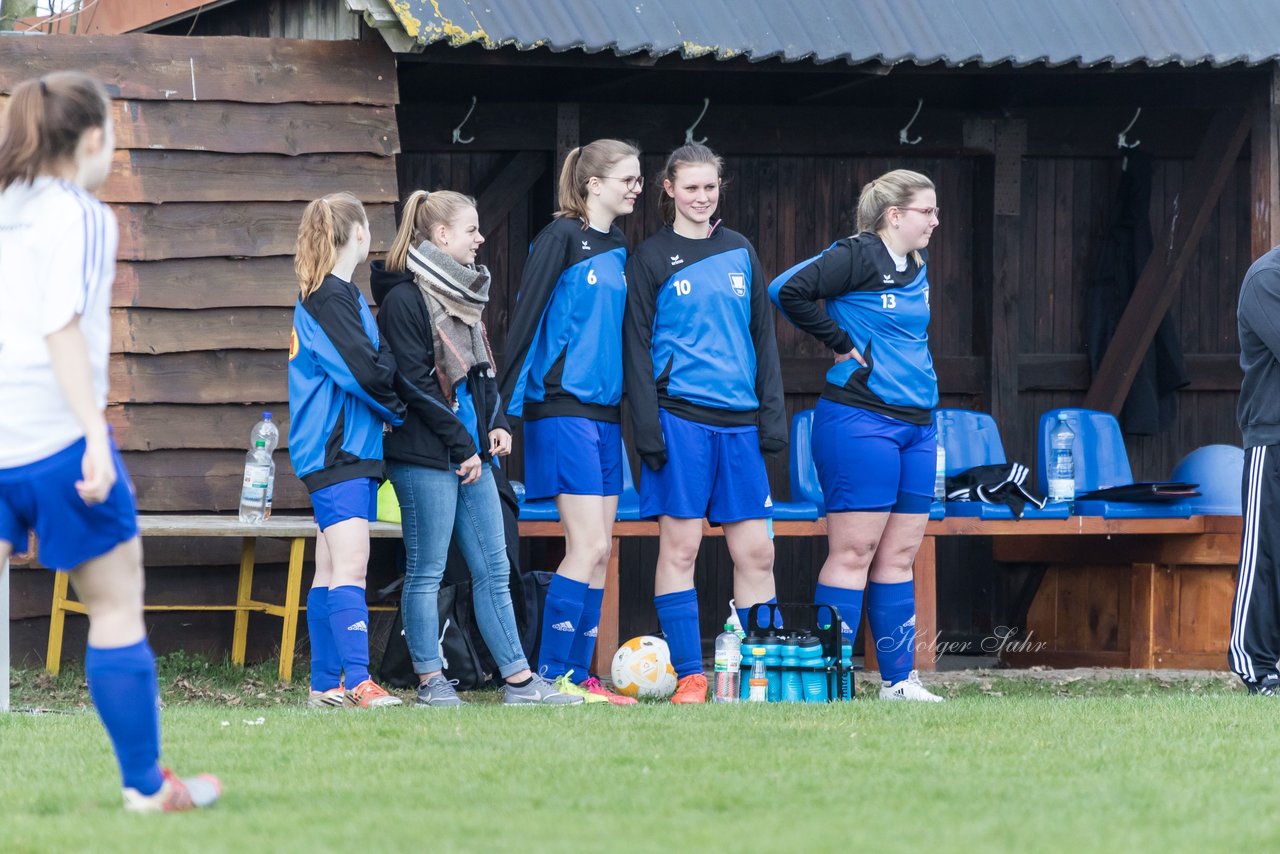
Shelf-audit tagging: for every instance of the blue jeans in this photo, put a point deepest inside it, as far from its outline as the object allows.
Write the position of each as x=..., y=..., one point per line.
x=435, y=507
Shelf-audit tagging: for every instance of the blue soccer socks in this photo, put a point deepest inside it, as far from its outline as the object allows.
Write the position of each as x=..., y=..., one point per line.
x=584, y=641
x=122, y=684
x=561, y=614
x=349, y=624
x=891, y=613
x=326, y=666
x=678, y=614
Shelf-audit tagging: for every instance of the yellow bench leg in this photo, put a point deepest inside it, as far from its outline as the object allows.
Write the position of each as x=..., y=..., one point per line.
x=292, y=594
x=57, y=622
x=244, y=592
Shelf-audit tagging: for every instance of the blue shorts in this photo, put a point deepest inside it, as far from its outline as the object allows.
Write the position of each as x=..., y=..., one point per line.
x=42, y=497
x=716, y=473
x=350, y=499
x=871, y=463
x=570, y=455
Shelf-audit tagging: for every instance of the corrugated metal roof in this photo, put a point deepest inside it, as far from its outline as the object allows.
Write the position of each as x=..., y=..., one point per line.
x=954, y=32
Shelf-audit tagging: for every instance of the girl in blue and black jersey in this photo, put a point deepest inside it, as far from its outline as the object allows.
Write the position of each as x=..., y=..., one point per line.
x=873, y=437
x=705, y=396
x=563, y=377
x=340, y=395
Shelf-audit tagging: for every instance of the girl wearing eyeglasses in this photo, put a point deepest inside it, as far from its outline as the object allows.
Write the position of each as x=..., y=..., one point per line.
x=563, y=377
x=874, y=442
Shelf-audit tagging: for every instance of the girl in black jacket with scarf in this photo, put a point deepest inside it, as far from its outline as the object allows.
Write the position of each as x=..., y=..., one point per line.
x=431, y=295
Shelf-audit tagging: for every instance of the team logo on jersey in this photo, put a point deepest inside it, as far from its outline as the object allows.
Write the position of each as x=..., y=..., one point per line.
x=739, y=282
x=293, y=343
x=888, y=279
x=586, y=247
x=676, y=260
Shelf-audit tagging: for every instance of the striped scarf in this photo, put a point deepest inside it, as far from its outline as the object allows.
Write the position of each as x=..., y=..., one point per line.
x=455, y=296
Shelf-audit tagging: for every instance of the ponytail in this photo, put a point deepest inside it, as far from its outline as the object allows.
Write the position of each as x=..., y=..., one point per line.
x=583, y=164
x=422, y=212
x=891, y=190
x=406, y=236
x=326, y=226
x=44, y=120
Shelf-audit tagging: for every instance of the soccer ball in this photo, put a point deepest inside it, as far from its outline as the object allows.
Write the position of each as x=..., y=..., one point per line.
x=642, y=668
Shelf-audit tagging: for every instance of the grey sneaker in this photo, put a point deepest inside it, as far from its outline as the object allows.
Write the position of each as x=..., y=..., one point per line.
x=537, y=691
x=438, y=691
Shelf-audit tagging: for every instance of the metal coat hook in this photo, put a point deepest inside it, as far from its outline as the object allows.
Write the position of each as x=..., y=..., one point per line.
x=1121, y=141
x=457, y=132
x=902, y=134
x=688, y=132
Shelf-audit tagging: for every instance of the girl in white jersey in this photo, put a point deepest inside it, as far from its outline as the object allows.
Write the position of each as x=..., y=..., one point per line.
x=60, y=474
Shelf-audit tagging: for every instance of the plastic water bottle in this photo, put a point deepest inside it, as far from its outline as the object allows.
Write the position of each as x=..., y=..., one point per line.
x=744, y=685
x=846, y=661
x=1062, y=463
x=940, y=470
x=813, y=673
x=792, y=692
x=518, y=488
x=259, y=471
x=772, y=666
x=759, y=681
x=267, y=432
x=734, y=621
x=728, y=665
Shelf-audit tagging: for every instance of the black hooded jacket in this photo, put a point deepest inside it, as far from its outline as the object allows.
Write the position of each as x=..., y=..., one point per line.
x=432, y=434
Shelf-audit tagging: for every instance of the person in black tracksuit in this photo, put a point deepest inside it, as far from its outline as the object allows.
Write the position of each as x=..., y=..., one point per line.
x=563, y=377
x=1255, y=614
x=705, y=392
x=431, y=295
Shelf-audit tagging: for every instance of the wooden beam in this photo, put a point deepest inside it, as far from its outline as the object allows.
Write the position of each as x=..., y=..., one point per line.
x=155, y=427
x=1175, y=245
x=155, y=177
x=214, y=282
x=248, y=70
x=1070, y=372
x=1004, y=176
x=1264, y=158
x=509, y=186
x=216, y=376
x=144, y=330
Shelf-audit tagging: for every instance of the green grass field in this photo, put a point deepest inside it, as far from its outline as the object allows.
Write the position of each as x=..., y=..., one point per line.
x=1005, y=765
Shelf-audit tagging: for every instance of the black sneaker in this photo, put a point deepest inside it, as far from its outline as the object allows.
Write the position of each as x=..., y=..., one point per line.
x=1268, y=686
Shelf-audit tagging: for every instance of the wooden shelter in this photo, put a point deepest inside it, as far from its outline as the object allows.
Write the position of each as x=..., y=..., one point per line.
x=226, y=130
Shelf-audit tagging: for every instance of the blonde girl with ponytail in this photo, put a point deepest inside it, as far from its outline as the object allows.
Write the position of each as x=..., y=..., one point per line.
x=341, y=394
x=431, y=297
x=867, y=298
x=563, y=377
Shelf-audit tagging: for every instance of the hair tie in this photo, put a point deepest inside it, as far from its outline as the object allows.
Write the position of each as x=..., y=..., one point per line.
x=44, y=87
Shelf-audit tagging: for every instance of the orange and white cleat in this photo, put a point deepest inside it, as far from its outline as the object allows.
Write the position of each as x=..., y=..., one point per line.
x=176, y=794
x=691, y=689
x=334, y=698
x=595, y=686
x=370, y=695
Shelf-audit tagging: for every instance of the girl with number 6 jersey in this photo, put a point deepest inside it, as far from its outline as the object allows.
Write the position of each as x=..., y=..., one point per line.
x=563, y=377
x=705, y=394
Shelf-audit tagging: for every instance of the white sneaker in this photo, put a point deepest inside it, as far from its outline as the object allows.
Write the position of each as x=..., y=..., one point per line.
x=908, y=689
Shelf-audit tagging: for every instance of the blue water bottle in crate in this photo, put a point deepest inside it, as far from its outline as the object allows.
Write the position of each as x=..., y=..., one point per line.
x=792, y=690
x=813, y=670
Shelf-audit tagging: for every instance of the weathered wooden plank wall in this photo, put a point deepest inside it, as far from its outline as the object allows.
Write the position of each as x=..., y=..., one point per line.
x=221, y=143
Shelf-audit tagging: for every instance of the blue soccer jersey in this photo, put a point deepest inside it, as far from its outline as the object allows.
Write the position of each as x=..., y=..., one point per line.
x=872, y=307
x=563, y=354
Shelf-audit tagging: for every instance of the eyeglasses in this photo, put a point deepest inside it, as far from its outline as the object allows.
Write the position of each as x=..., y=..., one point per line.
x=631, y=182
x=929, y=212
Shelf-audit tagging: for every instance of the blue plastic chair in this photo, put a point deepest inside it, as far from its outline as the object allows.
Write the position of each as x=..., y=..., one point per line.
x=1219, y=469
x=972, y=439
x=544, y=509
x=805, y=488
x=1101, y=462
x=806, y=495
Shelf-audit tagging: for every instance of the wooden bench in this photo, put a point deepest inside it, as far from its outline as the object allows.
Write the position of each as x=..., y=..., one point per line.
x=1186, y=533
